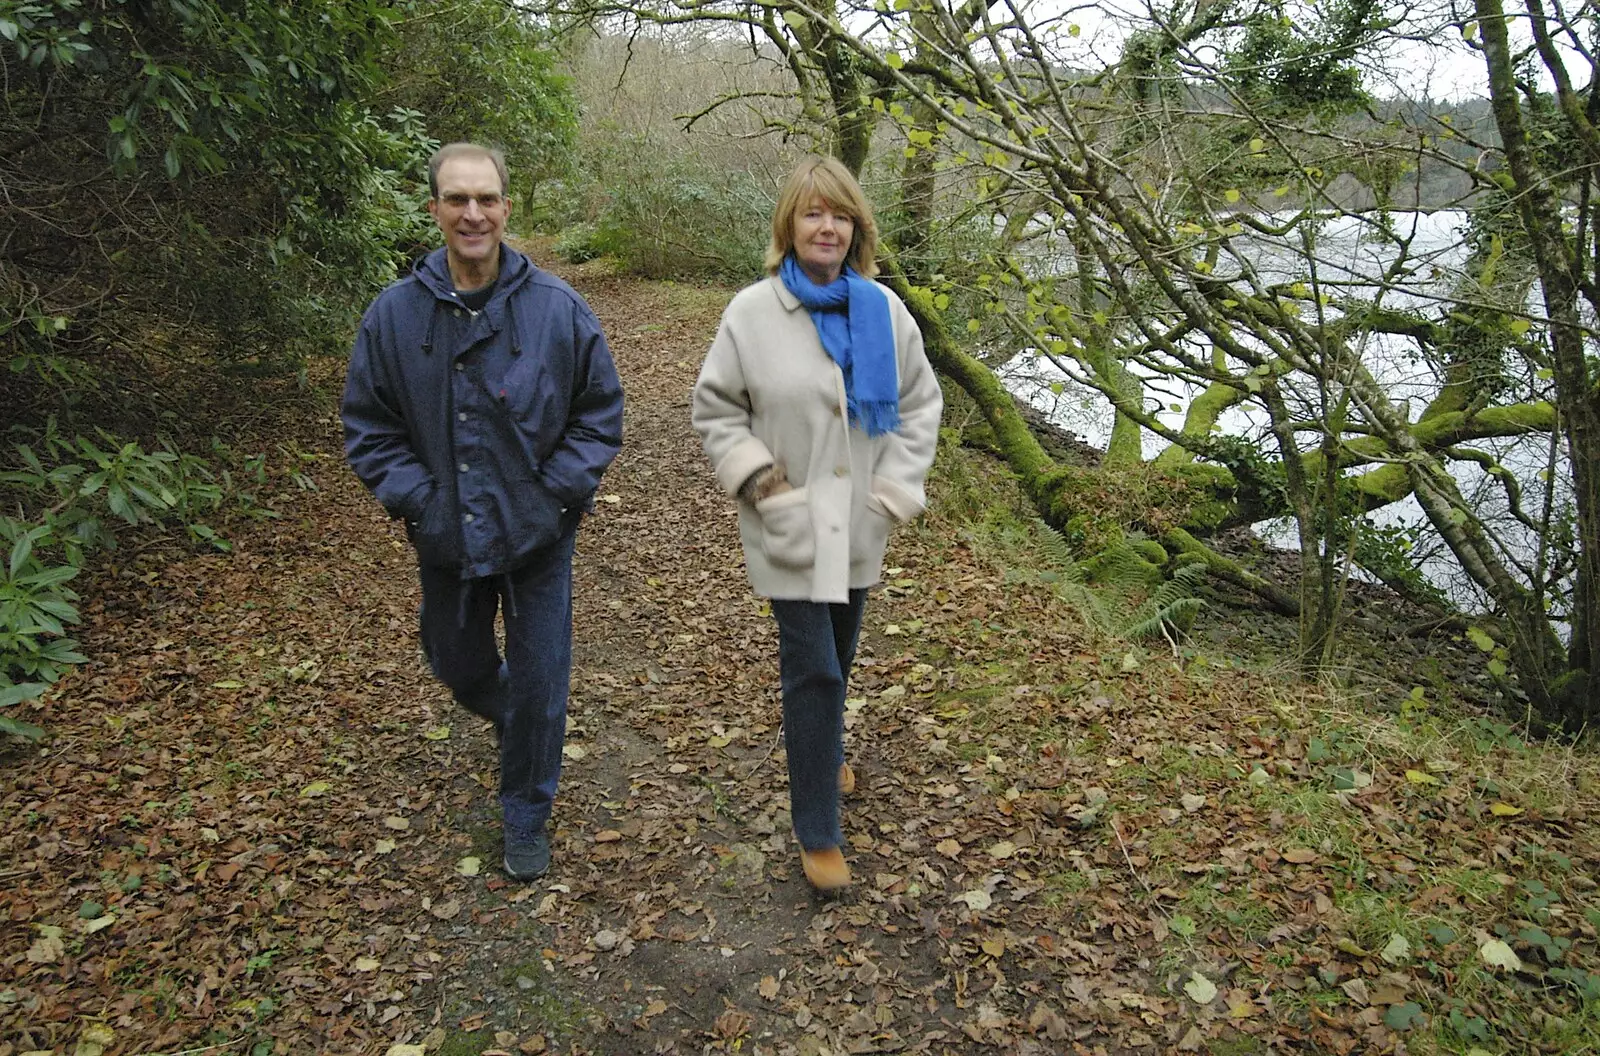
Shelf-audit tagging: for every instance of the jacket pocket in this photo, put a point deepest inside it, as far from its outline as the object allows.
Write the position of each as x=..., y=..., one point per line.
x=787, y=536
x=538, y=518
x=436, y=535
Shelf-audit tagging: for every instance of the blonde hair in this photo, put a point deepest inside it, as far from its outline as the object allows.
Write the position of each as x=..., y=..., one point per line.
x=826, y=180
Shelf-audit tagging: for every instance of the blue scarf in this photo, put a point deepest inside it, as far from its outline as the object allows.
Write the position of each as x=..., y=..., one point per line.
x=852, y=318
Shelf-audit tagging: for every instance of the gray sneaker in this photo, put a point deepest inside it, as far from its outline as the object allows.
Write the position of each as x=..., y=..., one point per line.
x=528, y=859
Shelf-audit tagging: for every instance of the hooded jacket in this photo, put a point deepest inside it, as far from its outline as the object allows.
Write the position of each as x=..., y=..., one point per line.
x=486, y=431
x=768, y=393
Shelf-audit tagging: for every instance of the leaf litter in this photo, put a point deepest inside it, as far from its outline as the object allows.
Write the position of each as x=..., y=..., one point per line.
x=1055, y=851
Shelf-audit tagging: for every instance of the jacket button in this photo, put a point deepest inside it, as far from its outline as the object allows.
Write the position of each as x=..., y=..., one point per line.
x=836, y=410
x=461, y=416
x=841, y=471
x=467, y=517
x=460, y=367
x=464, y=467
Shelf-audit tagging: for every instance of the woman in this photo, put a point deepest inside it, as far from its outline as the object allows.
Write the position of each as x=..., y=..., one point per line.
x=820, y=413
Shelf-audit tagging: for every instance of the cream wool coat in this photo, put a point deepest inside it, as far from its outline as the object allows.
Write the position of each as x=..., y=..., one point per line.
x=769, y=392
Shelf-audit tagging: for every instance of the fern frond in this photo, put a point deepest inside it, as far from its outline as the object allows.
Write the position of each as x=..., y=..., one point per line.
x=1056, y=549
x=1172, y=603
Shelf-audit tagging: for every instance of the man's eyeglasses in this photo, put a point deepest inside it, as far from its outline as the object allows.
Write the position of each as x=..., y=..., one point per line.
x=485, y=202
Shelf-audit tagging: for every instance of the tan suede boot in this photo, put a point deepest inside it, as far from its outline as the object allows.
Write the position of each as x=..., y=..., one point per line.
x=825, y=868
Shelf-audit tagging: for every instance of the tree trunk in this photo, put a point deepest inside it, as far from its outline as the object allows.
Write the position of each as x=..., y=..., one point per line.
x=1558, y=686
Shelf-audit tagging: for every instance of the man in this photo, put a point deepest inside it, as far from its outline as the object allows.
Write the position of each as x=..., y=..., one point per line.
x=482, y=406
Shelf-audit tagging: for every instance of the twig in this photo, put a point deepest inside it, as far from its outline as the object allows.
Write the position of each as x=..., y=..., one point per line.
x=208, y=1048
x=1129, y=859
x=1168, y=636
x=763, y=760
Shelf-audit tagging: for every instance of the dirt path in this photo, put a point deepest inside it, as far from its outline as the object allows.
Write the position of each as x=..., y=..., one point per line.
x=294, y=836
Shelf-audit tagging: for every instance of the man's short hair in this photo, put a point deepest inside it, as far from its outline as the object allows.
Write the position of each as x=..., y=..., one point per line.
x=466, y=150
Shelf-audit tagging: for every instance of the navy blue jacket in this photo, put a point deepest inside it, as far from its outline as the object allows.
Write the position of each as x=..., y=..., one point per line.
x=487, y=431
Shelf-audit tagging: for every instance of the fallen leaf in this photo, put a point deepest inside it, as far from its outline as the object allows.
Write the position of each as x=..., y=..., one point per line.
x=1500, y=955
x=1397, y=951
x=449, y=909
x=768, y=987
x=948, y=848
x=367, y=964
x=469, y=866
x=1003, y=850
x=1300, y=855
x=574, y=751
x=48, y=948
x=534, y=1045
x=406, y=1050
x=611, y=500
x=396, y=822
x=1192, y=802
x=607, y=836
x=1201, y=991
x=315, y=788
x=89, y=927
x=1504, y=810
x=437, y=733
x=1048, y=1021
x=977, y=900
x=383, y=847
x=98, y=1034
x=1418, y=777
x=994, y=947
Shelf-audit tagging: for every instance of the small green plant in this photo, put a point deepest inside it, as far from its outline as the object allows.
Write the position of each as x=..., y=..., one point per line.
x=81, y=487
x=1136, y=598
x=35, y=606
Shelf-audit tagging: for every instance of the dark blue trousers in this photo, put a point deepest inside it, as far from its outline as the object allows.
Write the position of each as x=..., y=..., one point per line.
x=525, y=694
x=816, y=648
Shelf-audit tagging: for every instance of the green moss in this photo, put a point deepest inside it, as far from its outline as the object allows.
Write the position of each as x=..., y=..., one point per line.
x=461, y=1043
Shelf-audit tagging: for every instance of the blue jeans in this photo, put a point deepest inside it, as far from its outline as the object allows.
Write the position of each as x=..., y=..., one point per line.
x=816, y=647
x=524, y=695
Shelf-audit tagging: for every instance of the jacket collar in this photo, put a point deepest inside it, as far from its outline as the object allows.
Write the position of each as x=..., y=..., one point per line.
x=433, y=271
x=789, y=301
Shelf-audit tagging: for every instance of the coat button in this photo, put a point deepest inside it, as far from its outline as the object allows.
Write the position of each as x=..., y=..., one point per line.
x=841, y=471
x=464, y=467
x=460, y=366
x=836, y=410
x=467, y=517
x=461, y=416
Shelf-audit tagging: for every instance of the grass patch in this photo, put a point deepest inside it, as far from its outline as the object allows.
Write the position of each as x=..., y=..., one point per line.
x=1240, y=913
x=463, y=1043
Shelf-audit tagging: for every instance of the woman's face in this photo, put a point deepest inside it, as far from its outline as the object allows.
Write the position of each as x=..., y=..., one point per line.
x=822, y=236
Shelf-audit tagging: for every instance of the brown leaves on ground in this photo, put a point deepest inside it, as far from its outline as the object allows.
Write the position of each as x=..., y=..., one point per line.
x=260, y=825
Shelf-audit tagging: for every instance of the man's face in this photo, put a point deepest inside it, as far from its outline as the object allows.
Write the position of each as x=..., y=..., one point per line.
x=471, y=209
